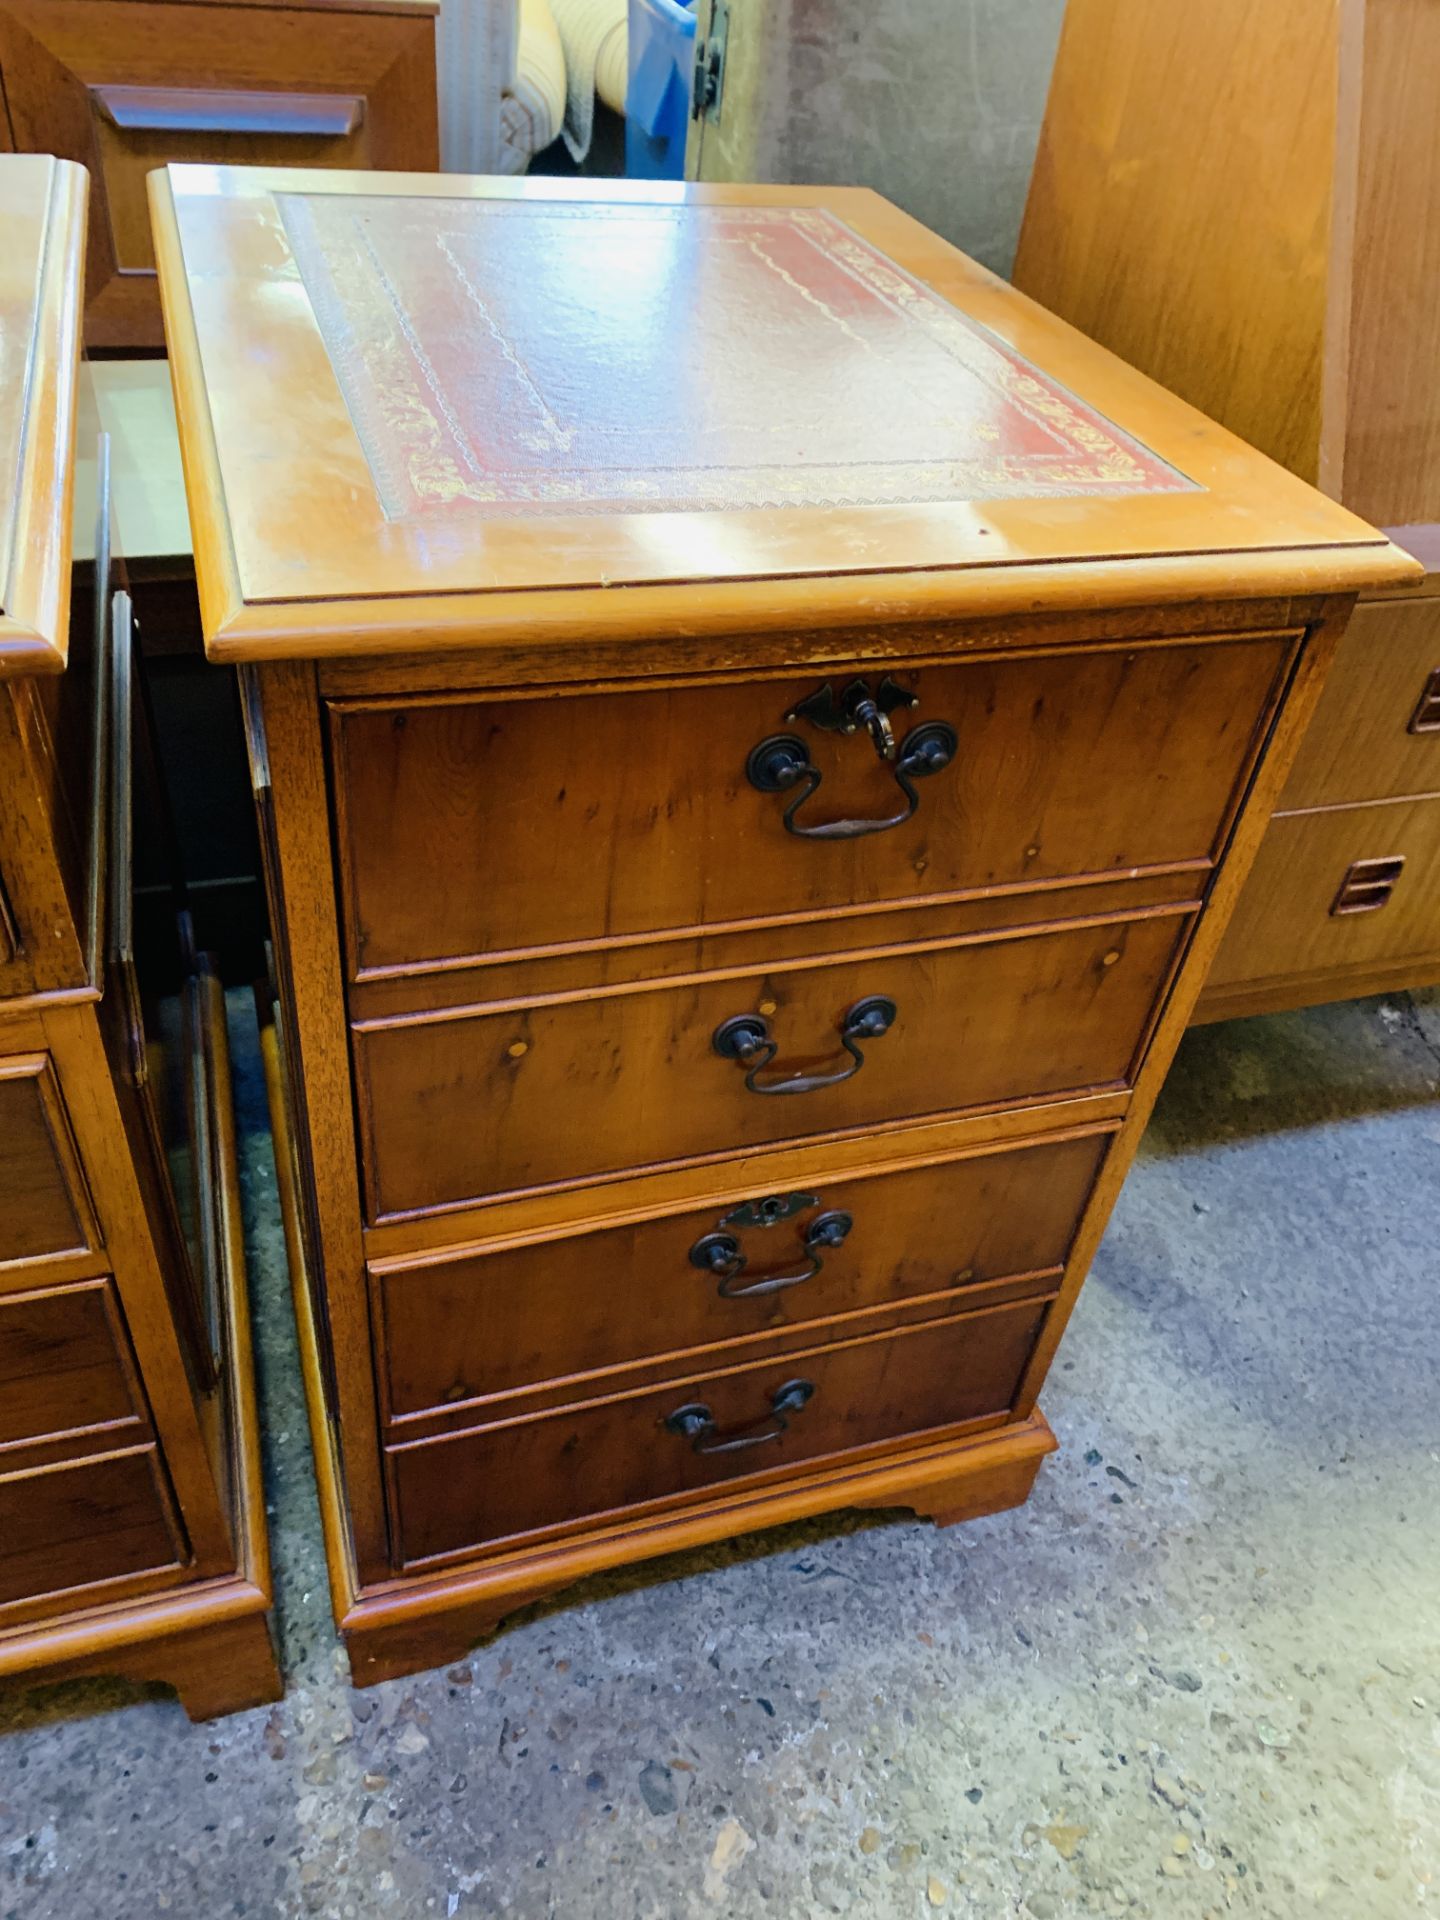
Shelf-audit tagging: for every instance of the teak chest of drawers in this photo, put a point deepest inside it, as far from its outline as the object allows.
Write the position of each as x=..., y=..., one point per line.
x=1307, y=319
x=132, y=1531
x=757, y=731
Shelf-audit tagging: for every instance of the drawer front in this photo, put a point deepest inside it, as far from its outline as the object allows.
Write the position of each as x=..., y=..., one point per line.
x=75, y=1526
x=42, y=1204
x=1292, y=919
x=461, y=1330
x=65, y=1365
x=475, y=825
x=485, y=1486
x=1376, y=732
x=501, y=1100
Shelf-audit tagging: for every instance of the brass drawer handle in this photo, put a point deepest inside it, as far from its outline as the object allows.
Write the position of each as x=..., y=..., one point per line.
x=745, y=1037
x=696, y=1423
x=781, y=763
x=721, y=1253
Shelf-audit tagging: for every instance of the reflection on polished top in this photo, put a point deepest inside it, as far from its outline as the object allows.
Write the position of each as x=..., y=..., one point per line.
x=572, y=357
x=419, y=410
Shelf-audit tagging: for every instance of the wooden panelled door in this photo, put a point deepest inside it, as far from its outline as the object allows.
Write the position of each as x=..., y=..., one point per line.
x=123, y=86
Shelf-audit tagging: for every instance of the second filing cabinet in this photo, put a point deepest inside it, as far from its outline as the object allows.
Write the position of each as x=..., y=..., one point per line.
x=132, y=1529
x=747, y=786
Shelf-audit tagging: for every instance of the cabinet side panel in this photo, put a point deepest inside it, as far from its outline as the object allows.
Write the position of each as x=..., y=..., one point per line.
x=1392, y=445
x=1145, y=225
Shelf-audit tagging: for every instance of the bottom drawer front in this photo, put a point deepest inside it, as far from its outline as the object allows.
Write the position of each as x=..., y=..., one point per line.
x=1286, y=922
x=462, y=1329
x=63, y=1364
x=65, y=1527
x=491, y=1484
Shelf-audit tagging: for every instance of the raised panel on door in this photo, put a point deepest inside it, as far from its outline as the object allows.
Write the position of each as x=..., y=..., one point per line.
x=466, y=1105
x=609, y=1456
x=466, y=1328
x=471, y=825
x=1376, y=732
x=43, y=1207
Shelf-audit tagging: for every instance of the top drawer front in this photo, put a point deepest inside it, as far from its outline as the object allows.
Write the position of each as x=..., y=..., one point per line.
x=478, y=824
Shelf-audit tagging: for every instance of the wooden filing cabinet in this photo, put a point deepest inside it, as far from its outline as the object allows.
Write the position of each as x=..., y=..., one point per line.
x=1272, y=253
x=132, y=1535
x=750, y=779
x=124, y=86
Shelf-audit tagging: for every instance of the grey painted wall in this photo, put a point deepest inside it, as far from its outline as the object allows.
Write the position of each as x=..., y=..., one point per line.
x=935, y=103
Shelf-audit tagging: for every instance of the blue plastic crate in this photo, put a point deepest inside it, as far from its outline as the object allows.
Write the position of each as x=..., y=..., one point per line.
x=657, y=97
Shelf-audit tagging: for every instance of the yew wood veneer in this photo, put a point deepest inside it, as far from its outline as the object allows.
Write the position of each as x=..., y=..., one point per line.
x=757, y=730
x=132, y=1531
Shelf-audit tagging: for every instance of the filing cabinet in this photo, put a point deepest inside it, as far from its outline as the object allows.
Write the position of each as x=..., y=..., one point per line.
x=132, y=1532
x=750, y=781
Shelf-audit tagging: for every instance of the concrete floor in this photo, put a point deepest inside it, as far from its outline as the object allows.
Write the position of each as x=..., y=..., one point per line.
x=1199, y=1674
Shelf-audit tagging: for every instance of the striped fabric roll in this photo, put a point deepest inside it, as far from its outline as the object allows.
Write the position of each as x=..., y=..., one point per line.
x=534, y=106
x=595, y=34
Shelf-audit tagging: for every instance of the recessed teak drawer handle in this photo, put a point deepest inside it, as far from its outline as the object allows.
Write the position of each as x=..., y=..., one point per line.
x=1426, y=717
x=721, y=1253
x=696, y=1423
x=745, y=1037
x=781, y=763
x=1367, y=885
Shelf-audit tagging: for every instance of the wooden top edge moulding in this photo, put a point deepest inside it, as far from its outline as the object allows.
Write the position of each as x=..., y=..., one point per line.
x=42, y=239
x=418, y=410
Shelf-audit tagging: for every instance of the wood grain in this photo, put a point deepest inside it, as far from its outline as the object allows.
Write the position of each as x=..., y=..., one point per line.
x=454, y=1332
x=63, y=1367
x=64, y=60
x=607, y=1456
x=42, y=206
x=1304, y=317
x=1392, y=412
x=460, y=1107
x=521, y=880
x=275, y=564
x=1361, y=745
x=80, y=1526
x=46, y=1211
x=1144, y=227
x=1284, y=925
x=1054, y=755
x=131, y=1516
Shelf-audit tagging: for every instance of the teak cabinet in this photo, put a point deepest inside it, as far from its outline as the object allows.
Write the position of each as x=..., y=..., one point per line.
x=757, y=731
x=1245, y=202
x=124, y=86
x=132, y=1532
